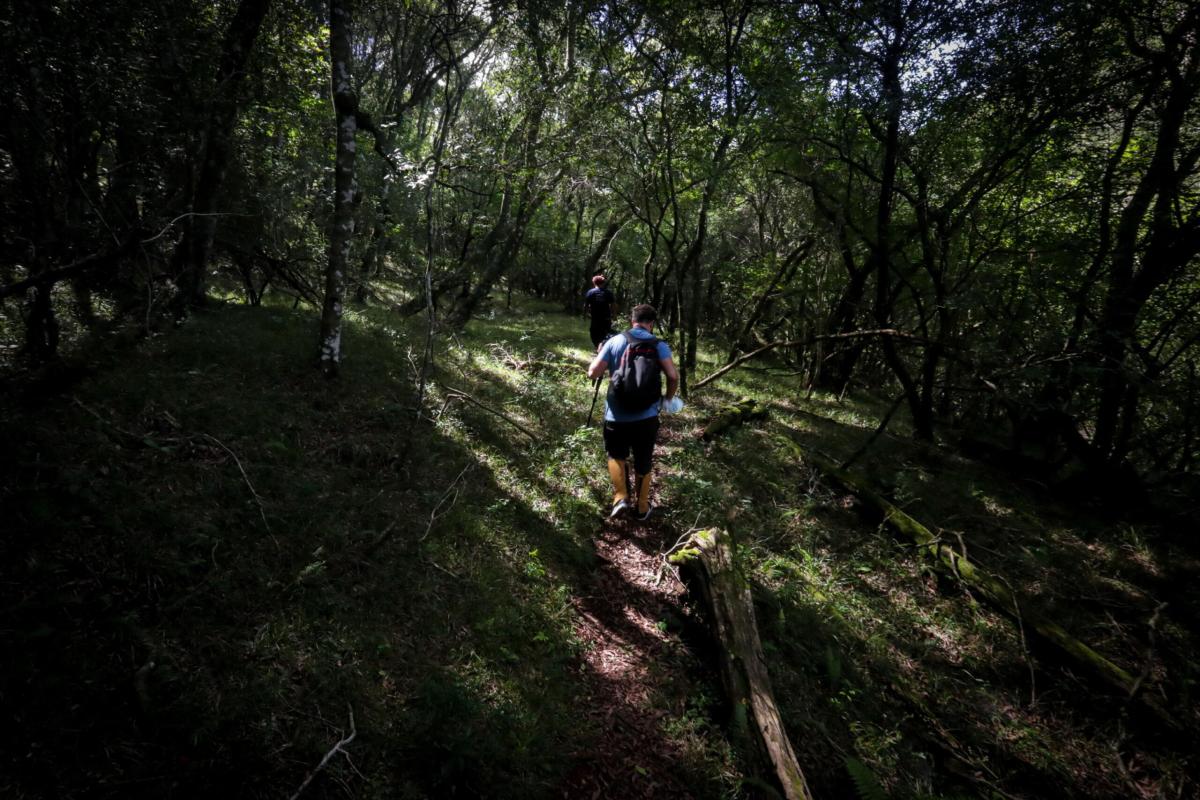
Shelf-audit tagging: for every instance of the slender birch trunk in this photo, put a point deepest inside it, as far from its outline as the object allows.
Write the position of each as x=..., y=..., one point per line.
x=345, y=105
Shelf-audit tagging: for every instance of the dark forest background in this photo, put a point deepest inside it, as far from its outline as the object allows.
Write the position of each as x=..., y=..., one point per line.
x=965, y=230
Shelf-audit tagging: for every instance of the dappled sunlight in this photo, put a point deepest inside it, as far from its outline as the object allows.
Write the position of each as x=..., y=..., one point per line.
x=520, y=604
x=305, y=489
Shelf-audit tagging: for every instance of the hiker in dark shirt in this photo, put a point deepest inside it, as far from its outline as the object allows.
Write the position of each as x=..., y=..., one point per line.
x=600, y=305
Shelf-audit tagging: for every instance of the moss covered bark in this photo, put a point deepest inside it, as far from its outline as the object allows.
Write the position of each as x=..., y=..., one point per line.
x=739, y=413
x=709, y=557
x=953, y=563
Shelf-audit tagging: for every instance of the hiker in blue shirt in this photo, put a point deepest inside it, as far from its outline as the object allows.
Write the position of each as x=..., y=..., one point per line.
x=635, y=362
x=599, y=304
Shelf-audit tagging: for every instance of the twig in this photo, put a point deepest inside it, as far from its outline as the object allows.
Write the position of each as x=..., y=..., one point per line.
x=99, y=214
x=451, y=392
x=932, y=543
x=665, y=557
x=257, y=498
x=962, y=544
x=1024, y=643
x=163, y=232
x=376, y=497
x=1149, y=662
x=141, y=684
x=737, y=362
x=507, y=358
x=337, y=748
x=682, y=540
x=1121, y=767
x=451, y=489
x=139, y=439
x=431, y=562
x=667, y=568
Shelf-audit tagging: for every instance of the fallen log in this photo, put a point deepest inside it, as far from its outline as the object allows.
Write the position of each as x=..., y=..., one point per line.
x=740, y=412
x=709, y=562
x=956, y=565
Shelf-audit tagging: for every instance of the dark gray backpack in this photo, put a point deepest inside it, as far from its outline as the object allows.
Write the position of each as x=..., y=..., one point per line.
x=636, y=383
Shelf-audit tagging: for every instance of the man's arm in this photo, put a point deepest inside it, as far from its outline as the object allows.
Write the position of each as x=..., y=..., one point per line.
x=668, y=368
x=599, y=365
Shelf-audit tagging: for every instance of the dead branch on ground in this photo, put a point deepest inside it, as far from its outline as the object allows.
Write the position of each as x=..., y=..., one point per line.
x=745, y=410
x=337, y=748
x=459, y=394
x=709, y=558
x=253, y=492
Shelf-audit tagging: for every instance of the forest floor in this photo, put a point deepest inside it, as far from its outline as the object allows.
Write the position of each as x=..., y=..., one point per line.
x=216, y=566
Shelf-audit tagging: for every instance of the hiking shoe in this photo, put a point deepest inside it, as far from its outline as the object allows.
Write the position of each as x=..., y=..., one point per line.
x=644, y=517
x=618, y=507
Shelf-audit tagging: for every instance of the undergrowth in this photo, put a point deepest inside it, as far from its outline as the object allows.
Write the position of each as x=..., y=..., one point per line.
x=213, y=559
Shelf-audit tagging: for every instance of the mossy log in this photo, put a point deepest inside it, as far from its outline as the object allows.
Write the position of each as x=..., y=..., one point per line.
x=709, y=562
x=740, y=412
x=991, y=588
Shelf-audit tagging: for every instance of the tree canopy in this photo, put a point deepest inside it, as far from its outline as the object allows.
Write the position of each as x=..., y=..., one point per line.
x=1012, y=188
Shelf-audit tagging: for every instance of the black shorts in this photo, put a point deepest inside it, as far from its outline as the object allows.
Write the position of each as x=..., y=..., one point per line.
x=600, y=331
x=621, y=437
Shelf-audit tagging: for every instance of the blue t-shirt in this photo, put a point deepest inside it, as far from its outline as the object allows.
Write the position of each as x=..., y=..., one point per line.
x=611, y=353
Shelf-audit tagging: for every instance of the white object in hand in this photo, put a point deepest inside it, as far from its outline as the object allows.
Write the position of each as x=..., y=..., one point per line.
x=673, y=406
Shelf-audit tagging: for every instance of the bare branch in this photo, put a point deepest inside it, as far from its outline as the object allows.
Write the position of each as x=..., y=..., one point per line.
x=737, y=362
x=337, y=748
x=245, y=477
x=458, y=394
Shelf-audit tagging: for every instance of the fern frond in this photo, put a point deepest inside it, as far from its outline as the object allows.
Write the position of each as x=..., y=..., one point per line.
x=865, y=782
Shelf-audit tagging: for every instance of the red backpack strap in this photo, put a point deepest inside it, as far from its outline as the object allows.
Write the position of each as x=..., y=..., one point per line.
x=650, y=344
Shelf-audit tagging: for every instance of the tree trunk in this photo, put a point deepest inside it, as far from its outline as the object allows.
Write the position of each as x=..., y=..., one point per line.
x=1150, y=245
x=782, y=273
x=194, y=249
x=504, y=242
x=369, y=265
x=601, y=248
x=833, y=372
x=881, y=257
x=345, y=104
x=709, y=561
x=689, y=270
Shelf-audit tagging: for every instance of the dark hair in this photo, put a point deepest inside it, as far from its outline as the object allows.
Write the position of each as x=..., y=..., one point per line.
x=644, y=313
x=598, y=280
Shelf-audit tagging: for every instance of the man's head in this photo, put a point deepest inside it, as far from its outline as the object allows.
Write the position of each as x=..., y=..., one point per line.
x=644, y=316
x=598, y=281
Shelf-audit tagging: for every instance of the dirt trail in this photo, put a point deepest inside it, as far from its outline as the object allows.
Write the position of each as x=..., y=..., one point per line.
x=636, y=673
